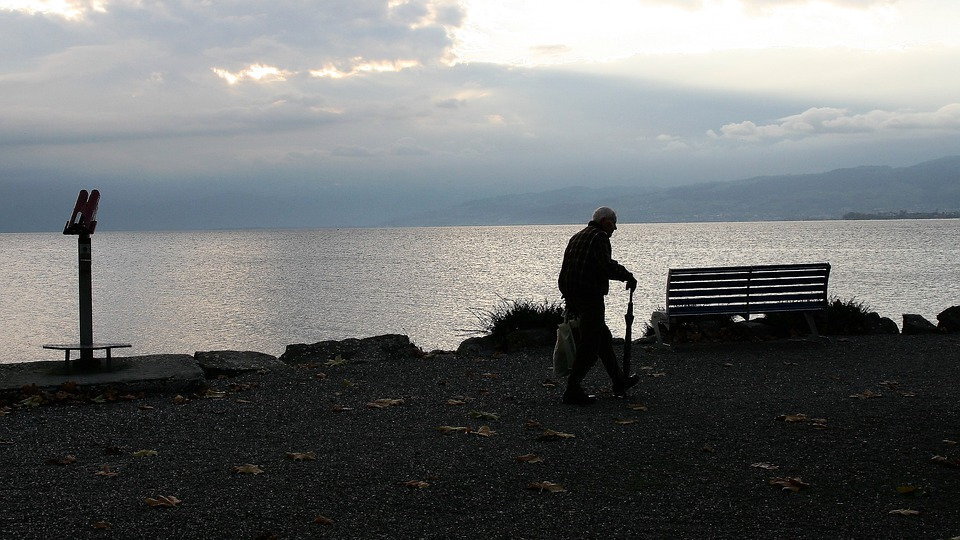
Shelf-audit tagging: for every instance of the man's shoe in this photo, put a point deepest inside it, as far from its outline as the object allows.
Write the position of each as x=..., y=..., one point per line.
x=578, y=398
x=620, y=388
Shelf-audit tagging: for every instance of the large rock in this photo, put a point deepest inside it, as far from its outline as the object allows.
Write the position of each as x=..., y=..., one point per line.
x=389, y=346
x=915, y=324
x=150, y=373
x=880, y=325
x=477, y=346
x=949, y=320
x=232, y=363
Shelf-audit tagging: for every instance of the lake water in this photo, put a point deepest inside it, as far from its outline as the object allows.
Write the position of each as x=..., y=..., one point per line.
x=181, y=292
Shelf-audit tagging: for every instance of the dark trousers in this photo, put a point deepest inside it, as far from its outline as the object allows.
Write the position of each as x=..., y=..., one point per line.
x=594, y=340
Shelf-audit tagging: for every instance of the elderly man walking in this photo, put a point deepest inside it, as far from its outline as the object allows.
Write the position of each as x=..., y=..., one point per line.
x=584, y=281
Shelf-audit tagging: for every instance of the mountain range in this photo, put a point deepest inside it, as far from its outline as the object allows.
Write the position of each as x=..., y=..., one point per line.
x=930, y=186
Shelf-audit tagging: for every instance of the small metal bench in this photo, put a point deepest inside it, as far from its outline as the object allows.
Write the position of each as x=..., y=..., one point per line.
x=67, y=347
x=744, y=291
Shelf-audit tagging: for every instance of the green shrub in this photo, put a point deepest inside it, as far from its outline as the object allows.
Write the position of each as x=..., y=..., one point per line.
x=511, y=315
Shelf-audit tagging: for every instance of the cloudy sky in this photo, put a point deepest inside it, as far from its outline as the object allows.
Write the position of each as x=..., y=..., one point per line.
x=227, y=113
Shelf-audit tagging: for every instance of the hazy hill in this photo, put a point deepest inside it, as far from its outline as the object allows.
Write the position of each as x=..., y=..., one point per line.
x=929, y=186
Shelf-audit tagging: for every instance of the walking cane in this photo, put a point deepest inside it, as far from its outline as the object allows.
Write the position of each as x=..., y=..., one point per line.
x=628, y=337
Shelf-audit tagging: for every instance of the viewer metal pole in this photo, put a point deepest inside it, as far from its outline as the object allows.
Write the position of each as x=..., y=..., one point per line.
x=86, y=298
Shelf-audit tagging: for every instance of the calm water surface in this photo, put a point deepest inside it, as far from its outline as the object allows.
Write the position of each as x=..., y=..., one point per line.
x=181, y=292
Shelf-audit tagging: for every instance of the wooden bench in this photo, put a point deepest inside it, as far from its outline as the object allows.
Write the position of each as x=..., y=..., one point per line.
x=744, y=291
x=67, y=347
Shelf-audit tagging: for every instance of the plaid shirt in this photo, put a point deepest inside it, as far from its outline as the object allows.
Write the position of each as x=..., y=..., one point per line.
x=588, y=266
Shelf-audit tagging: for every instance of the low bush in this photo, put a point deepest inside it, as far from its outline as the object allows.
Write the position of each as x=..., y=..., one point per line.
x=512, y=315
x=849, y=317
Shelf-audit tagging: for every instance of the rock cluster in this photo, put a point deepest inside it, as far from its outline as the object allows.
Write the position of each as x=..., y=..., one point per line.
x=388, y=346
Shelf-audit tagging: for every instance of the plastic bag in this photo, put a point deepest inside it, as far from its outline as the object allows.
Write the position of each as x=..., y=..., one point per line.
x=565, y=351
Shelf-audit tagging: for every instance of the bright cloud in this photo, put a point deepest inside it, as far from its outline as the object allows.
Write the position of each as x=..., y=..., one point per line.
x=519, y=33
x=254, y=72
x=68, y=9
x=824, y=120
x=359, y=66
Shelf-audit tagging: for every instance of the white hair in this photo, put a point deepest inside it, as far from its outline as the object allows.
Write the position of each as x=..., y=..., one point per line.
x=604, y=212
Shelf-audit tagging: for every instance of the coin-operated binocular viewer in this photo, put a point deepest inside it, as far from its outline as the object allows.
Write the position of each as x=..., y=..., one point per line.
x=82, y=223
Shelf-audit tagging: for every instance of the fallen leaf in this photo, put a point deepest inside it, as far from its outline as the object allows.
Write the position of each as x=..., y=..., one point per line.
x=6, y=442
x=302, y=456
x=106, y=471
x=323, y=520
x=485, y=431
x=906, y=490
x=546, y=486
x=180, y=400
x=946, y=462
x=646, y=368
x=65, y=460
x=347, y=383
x=866, y=394
x=658, y=374
x=214, y=394
x=948, y=441
x=99, y=399
x=32, y=401
x=789, y=363
x=624, y=421
x=244, y=401
x=128, y=397
x=532, y=424
x=792, y=484
x=248, y=468
x=102, y=525
x=529, y=458
x=551, y=435
x=416, y=484
x=446, y=430
x=818, y=423
x=549, y=384
x=489, y=375
x=338, y=361
x=727, y=364
x=709, y=449
x=765, y=465
x=5, y=411
x=482, y=415
x=890, y=384
x=145, y=453
x=904, y=512
x=163, y=501
x=792, y=418
x=320, y=376
x=145, y=407
x=637, y=407
x=455, y=402
x=908, y=394
x=383, y=403
x=340, y=408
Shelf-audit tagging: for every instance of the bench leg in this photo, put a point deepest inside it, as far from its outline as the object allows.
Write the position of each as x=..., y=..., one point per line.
x=108, y=357
x=813, y=327
x=656, y=319
x=66, y=358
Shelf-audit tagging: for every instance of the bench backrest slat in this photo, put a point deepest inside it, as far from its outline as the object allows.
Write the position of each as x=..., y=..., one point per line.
x=746, y=290
x=683, y=293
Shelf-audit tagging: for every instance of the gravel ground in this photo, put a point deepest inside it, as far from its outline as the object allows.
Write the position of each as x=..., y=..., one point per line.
x=684, y=467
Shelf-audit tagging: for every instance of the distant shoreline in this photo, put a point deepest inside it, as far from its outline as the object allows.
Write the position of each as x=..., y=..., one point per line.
x=903, y=214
